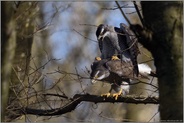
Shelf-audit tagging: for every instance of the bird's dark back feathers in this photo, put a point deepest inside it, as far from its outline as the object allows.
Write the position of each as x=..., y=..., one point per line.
x=130, y=43
x=119, y=71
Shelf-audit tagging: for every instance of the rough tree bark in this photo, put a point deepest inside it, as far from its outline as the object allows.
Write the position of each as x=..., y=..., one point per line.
x=165, y=21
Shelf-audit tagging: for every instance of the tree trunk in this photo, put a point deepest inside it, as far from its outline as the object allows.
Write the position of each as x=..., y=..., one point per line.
x=7, y=51
x=165, y=20
x=16, y=51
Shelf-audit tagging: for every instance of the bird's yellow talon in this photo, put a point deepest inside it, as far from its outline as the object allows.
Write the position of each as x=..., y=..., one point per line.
x=115, y=58
x=107, y=94
x=117, y=94
x=98, y=58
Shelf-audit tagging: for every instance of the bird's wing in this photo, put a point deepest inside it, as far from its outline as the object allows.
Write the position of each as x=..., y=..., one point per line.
x=131, y=45
x=114, y=38
x=109, y=45
x=131, y=38
x=100, y=44
x=122, y=68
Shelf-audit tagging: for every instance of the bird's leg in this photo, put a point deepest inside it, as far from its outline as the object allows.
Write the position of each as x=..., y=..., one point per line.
x=117, y=94
x=107, y=94
x=98, y=58
x=114, y=57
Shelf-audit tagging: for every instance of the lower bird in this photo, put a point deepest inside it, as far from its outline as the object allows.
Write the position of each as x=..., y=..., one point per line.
x=118, y=73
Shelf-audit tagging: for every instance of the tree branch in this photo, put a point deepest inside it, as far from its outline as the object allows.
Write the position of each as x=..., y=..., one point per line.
x=138, y=12
x=125, y=6
x=123, y=13
x=78, y=98
x=144, y=35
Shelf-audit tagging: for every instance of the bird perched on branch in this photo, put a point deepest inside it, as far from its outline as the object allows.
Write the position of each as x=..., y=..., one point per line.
x=118, y=73
x=118, y=43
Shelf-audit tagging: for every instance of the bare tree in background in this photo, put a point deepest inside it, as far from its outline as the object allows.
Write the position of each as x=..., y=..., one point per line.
x=37, y=84
x=16, y=50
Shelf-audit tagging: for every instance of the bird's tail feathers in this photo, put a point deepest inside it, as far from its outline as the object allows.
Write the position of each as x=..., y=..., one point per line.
x=145, y=70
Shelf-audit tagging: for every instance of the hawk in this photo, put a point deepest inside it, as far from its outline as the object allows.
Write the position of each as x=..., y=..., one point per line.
x=118, y=73
x=117, y=43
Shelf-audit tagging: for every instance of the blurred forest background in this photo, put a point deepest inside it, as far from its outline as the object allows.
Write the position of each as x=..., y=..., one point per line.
x=57, y=41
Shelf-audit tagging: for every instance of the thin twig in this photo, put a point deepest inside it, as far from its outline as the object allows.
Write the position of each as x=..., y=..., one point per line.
x=133, y=12
x=78, y=76
x=144, y=83
x=153, y=116
x=75, y=74
x=123, y=13
x=85, y=36
x=44, y=65
x=88, y=25
x=125, y=6
x=139, y=14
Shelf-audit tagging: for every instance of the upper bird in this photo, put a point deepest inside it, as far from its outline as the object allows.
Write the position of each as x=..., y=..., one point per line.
x=118, y=42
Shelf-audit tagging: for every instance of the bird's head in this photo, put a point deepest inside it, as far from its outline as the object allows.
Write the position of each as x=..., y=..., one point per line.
x=99, y=71
x=101, y=30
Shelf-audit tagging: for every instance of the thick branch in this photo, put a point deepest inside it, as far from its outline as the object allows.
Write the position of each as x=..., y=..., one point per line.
x=78, y=98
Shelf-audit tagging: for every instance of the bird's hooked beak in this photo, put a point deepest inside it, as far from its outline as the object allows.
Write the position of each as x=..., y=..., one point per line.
x=93, y=81
x=94, y=78
x=98, y=76
x=103, y=35
x=100, y=37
